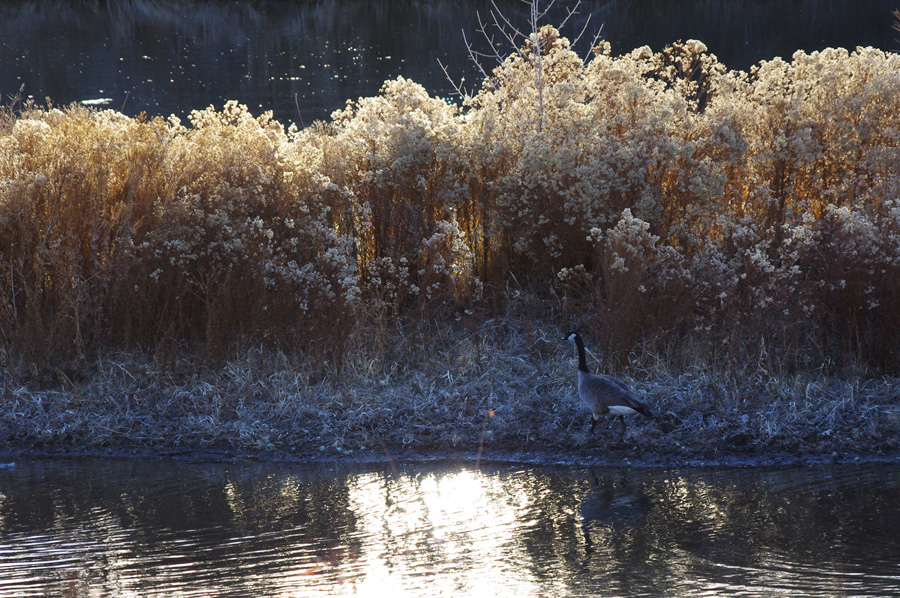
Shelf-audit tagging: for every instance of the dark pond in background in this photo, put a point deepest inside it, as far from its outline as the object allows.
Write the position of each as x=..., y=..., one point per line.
x=304, y=59
x=79, y=527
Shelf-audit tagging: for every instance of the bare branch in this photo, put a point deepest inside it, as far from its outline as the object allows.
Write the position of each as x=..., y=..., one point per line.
x=498, y=14
x=474, y=57
x=594, y=41
x=457, y=87
x=542, y=14
x=511, y=35
x=499, y=31
x=572, y=12
x=587, y=22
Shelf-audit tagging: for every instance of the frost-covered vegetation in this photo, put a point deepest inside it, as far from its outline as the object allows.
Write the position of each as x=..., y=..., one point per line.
x=681, y=214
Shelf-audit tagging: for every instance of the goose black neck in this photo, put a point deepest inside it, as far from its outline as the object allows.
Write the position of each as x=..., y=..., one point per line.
x=582, y=359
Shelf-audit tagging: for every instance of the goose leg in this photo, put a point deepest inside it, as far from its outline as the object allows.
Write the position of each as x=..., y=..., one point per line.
x=593, y=424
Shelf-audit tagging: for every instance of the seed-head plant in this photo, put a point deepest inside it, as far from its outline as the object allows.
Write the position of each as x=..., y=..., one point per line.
x=679, y=209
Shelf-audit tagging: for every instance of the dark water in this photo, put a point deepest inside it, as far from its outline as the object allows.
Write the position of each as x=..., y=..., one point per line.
x=88, y=527
x=304, y=59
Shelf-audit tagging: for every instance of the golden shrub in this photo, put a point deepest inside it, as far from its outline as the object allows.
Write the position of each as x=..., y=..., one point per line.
x=668, y=196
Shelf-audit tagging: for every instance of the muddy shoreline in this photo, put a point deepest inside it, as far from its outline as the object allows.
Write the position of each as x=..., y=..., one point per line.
x=465, y=458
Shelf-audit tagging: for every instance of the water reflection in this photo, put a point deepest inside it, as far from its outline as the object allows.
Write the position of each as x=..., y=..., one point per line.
x=129, y=528
x=303, y=60
x=615, y=504
x=453, y=529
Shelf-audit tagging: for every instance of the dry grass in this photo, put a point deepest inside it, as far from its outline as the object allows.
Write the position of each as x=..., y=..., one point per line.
x=729, y=241
x=508, y=385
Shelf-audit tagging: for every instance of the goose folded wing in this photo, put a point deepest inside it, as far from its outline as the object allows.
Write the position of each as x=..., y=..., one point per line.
x=613, y=388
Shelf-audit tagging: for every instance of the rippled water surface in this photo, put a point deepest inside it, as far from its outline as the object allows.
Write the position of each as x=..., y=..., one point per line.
x=85, y=527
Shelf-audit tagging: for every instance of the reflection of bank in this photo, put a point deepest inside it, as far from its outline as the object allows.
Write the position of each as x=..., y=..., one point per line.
x=611, y=504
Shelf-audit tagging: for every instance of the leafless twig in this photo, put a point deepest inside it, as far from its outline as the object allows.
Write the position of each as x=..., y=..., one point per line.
x=512, y=40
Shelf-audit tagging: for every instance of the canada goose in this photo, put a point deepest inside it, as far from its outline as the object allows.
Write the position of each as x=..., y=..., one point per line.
x=604, y=394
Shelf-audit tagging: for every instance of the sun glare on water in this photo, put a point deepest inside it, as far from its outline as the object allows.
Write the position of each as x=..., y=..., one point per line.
x=446, y=534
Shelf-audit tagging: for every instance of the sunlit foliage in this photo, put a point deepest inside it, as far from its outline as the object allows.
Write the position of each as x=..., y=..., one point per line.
x=663, y=199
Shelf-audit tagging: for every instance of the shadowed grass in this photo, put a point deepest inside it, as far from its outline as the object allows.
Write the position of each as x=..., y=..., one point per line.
x=438, y=402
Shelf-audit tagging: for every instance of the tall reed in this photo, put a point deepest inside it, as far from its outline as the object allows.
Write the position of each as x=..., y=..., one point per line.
x=670, y=205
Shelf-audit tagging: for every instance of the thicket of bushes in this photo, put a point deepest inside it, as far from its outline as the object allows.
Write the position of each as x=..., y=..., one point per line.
x=661, y=201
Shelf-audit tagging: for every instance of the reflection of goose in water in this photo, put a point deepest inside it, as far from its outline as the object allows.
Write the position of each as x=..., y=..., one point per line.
x=611, y=503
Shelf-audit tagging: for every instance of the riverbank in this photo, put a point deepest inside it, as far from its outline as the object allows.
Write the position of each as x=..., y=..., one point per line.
x=506, y=394
x=399, y=279
x=9, y=458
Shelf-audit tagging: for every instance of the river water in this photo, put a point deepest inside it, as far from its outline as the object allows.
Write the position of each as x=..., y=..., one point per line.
x=304, y=59
x=106, y=527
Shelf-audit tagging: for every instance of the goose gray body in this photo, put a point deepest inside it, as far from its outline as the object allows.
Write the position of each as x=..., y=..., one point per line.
x=604, y=394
